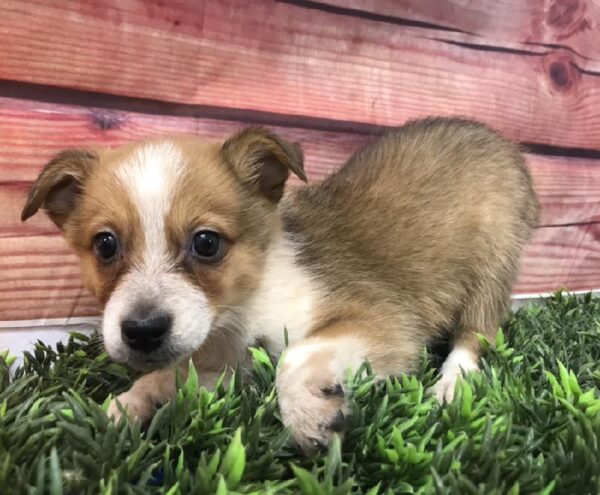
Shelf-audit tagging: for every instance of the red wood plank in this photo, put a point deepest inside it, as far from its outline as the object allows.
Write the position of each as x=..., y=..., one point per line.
x=31, y=132
x=44, y=283
x=277, y=57
x=40, y=275
x=40, y=279
x=561, y=257
x=568, y=189
x=571, y=23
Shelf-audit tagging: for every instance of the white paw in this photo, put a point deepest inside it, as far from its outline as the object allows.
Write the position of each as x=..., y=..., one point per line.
x=310, y=388
x=459, y=360
x=136, y=407
x=313, y=412
x=311, y=398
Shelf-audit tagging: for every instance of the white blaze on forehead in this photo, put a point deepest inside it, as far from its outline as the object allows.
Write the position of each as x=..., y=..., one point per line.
x=151, y=177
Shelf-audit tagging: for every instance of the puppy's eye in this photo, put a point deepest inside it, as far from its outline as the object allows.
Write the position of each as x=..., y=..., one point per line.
x=105, y=246
x=208, y=245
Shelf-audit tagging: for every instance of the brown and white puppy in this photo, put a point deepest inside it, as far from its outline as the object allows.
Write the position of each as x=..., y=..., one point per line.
x=194, y=250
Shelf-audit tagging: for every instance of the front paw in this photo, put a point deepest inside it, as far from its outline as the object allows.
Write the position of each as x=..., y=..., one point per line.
x=136, y=407
x=313, y=411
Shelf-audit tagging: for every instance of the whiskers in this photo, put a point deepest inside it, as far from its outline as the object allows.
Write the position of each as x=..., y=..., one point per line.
x=230, y=324
x=96, y=344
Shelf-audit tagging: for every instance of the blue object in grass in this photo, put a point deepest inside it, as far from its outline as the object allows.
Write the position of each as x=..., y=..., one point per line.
x=157, y=478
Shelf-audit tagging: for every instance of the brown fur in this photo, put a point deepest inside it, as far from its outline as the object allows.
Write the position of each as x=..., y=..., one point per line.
x=418, y=235
x=424, y=229
x=226, y=183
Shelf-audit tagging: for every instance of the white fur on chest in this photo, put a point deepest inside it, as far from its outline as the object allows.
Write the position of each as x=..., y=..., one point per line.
x=286, y=298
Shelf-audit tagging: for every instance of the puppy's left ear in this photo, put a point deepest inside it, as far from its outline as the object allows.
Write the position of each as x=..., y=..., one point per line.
x=263, y=160
x=59, y=186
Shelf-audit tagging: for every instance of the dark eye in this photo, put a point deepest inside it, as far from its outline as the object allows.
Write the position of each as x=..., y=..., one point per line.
x=105, y=245
x=207, y=244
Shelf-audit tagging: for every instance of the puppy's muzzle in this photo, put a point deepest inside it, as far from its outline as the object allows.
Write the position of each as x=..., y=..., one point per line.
x=146, y=328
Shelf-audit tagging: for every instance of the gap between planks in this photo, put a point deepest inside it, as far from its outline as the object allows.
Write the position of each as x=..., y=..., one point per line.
x=105, y=101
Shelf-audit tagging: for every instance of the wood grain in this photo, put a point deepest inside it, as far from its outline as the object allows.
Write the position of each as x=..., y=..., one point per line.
x=301, y=63
x=31, y=133
x=40, y=279
x=570, y=23
x=561, y=257
x=40, y=275
x=568, y=189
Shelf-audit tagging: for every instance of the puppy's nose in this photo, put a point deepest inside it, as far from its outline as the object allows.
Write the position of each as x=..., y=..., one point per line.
x=145, y=329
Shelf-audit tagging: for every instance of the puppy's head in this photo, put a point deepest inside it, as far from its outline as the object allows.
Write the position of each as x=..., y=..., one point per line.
x=171, y=233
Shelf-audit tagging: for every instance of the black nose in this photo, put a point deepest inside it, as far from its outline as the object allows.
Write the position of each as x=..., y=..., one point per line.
x=145, y=329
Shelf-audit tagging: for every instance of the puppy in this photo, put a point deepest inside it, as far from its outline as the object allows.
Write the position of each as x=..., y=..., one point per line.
x=194, y=250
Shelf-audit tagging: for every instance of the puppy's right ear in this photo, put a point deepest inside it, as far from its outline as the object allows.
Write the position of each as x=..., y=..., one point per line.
x=59, y=186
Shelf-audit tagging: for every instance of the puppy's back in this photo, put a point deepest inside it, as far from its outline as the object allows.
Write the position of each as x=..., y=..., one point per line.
x=424, y=213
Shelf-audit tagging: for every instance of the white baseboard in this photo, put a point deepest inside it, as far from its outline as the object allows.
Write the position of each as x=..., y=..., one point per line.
x=19, y=339
x=520, y=300
x=50, y=322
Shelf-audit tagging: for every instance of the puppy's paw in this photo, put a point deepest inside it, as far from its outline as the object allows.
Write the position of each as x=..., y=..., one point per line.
x=458, y=360
x=136, y=407
x=313, y=410
x=443, y=389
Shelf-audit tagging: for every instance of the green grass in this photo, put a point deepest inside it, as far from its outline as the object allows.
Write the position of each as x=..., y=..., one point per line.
x=529, y=423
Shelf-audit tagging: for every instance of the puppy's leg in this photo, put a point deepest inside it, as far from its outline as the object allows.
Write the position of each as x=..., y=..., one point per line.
x=310, y=379
x=146, y=393
x=152, y=390
x=461, y=358
x=483, y=315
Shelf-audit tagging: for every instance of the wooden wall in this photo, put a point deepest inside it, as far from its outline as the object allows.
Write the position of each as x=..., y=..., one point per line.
x=329, y=74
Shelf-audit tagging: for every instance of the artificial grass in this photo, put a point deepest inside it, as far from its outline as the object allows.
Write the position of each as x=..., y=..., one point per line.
x=524, y=425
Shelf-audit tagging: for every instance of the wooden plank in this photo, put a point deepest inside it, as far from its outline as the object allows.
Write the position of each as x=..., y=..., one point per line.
x=40, y=277
x=568, y=189
x=301, y=63
x=570, y=23
x=40, y=274
x=31, y=133
x=561, y=257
